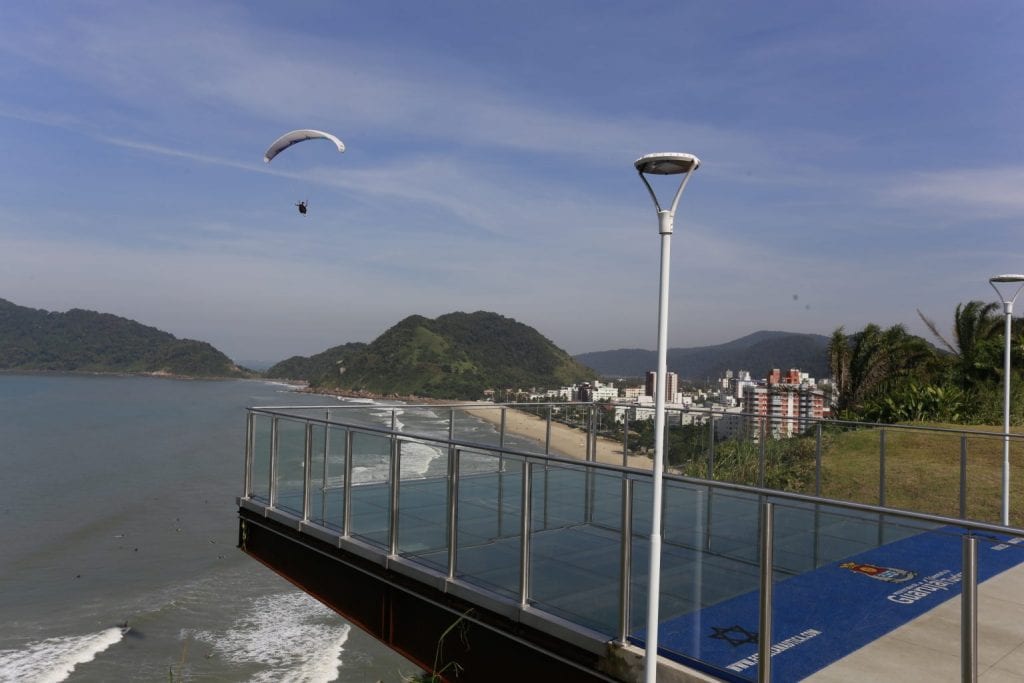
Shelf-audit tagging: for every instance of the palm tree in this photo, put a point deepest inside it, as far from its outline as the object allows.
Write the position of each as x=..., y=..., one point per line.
x=873, y=360
x=976, y=335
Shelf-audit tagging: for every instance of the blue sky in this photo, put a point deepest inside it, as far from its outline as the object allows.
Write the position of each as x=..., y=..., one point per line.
x=861, y=161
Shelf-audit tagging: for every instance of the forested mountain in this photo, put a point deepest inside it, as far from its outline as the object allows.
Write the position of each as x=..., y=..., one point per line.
x=455, y=356
x=317, y=367
x=87, y=341
x=758, y=352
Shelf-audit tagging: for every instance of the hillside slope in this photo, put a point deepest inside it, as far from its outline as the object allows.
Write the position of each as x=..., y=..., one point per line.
x=86, y=341
x=758, y=352
x=455, y=356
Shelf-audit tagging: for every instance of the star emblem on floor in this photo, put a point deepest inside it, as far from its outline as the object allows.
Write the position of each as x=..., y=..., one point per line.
x=734, y=635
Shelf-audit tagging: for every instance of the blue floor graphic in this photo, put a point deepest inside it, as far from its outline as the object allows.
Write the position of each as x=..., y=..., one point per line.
x=823, y=615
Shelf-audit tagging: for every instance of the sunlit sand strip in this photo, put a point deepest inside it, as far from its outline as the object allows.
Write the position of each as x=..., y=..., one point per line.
x=565, y=441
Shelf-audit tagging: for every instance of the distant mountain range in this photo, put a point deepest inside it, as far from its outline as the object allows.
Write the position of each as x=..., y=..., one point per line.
x=86, y=341
x=457, y=355
x=759, y=353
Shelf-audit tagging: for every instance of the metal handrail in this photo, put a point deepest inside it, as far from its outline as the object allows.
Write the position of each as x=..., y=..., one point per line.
x=716, y=413
x=723, y=485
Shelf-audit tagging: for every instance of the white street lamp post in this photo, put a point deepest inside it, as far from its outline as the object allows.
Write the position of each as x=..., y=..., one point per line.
x=1004, y=295
x=669, y=163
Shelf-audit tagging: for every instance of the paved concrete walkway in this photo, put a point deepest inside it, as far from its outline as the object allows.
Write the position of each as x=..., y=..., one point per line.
x=928, y=648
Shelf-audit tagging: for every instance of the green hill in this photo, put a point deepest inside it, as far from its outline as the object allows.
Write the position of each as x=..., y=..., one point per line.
x=313, y=368
x=455, y=356
x=86, y=341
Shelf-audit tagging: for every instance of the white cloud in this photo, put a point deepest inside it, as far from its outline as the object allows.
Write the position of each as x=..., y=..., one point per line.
x=983, y=192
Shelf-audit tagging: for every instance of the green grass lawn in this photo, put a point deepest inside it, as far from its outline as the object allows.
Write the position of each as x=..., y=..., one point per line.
x=923, y=470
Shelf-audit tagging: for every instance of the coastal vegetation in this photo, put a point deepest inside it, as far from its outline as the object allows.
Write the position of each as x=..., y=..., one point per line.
x=317, y=367
x=87, y=341
x=889, y=375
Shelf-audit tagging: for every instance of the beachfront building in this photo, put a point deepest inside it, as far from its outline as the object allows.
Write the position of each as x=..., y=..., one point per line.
x=633, y=393
x=785, y=404
x=671, y=386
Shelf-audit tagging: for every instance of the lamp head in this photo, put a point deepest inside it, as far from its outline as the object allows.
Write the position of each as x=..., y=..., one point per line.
x=1012, y=277
x=1012, y=284
x=667, y=163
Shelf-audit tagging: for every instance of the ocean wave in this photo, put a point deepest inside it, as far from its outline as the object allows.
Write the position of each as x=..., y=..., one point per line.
x=291, y=635
x=52, y=660
x=416, y=458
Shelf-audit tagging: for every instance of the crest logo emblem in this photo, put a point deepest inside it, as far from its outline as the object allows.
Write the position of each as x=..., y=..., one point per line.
x=889, y=574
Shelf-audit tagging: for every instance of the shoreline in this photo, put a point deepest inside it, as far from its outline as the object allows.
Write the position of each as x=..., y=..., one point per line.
x=566, y=441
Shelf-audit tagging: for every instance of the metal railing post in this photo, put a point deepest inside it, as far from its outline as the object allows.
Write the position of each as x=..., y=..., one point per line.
x=761, y=455
x=625, y=558
x=711, y=446
x=327, y=453
x=881, y=468
x=764, y=634
x=272, y=484
x=969, y=611
x=346, y=515
x=708, y=519
x=307, y=466
x=396, y=480
x=592, y=433
x=453, y=511
x=547, y=433
x=524, y=548
x=250, y=430
x=817, y=460
x=625, y=438
x=963, y=475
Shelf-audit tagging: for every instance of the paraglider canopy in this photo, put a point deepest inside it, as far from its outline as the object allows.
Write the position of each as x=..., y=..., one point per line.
x=297, y=136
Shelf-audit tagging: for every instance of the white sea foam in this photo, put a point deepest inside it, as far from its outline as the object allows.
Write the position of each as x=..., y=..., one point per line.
x=52, y=660
x=416, y=459
x=291, y=635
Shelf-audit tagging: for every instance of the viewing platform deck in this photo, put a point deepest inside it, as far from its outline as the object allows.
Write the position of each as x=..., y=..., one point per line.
x=499, y=563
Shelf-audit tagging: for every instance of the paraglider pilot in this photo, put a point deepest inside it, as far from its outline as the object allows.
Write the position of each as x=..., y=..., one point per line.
x=302, y=208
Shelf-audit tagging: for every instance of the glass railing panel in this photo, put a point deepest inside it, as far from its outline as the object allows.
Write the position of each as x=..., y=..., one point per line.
x=327, y=477
x=317, y=472
x=291, y=455
x=489, y=529
x=1000, y=605
x=984, y=490
x=261, y=449
x=575, y=569
x=640, y=555
x=423, y=504
x=984, y=461
x=851, y=466
x=371, y=491
x=922, y=470
x=560, y=496
x=480, y=424
x=605, y=504
x=708, y=557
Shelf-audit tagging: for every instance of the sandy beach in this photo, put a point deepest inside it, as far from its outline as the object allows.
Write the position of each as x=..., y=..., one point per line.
x=565, y=441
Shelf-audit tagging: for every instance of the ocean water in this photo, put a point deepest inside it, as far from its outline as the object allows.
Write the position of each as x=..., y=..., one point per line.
x=117, y=542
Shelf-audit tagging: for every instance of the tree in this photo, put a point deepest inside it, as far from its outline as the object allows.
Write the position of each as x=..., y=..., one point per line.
x=977, y=342
x=874, y=360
